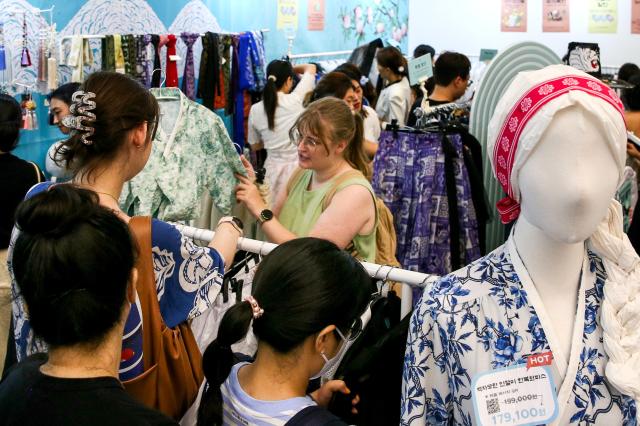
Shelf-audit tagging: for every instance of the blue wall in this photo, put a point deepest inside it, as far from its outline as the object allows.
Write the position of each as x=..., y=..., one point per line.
x=241, y=15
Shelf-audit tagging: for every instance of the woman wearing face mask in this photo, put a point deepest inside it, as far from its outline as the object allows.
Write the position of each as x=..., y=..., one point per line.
x=271, y=119
x=307, y=295
x=394, y=102
x=330, y=197
x=59, y=102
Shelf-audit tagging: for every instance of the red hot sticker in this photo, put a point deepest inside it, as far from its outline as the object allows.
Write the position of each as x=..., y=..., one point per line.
x=539, y=360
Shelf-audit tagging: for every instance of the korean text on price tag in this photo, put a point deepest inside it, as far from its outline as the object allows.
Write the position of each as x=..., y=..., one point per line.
x=515, y=395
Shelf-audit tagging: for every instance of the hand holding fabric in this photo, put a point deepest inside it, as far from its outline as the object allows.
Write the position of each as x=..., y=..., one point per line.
x=324, y=395
x=247, y=192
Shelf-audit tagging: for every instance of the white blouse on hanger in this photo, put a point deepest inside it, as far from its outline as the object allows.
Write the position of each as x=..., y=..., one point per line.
x=394, y=102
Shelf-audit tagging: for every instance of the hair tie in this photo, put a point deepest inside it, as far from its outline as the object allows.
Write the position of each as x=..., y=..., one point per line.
x=257, y=310
x=272, y=78
x=81, y=111
x=400, y=68
x=363, y=81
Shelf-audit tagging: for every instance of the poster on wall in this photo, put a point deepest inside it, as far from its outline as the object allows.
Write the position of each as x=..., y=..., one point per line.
x=603, y=16
x=287, y=15
x=365, y=20
x=315, y=15
x=635, y=16
x=514, y=16
x=555, y=16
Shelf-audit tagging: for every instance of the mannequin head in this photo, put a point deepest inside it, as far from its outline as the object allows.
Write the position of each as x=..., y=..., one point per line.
x=569, y=179
x=558, y=139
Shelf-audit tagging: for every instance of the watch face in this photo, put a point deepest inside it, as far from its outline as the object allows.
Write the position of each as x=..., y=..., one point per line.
x=238, y=222
x=266, y=215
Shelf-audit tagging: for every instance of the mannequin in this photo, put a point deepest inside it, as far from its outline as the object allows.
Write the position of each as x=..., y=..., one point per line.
x=563, y=201
x=546, y=328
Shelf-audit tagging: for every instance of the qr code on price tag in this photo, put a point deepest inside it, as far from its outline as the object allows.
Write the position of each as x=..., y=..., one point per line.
x=493, y=406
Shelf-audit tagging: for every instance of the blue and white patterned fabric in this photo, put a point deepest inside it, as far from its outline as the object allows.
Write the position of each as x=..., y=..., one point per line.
x=188, y=280
x=489, y=315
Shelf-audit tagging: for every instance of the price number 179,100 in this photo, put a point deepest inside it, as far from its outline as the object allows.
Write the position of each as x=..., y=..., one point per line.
x=517, y=416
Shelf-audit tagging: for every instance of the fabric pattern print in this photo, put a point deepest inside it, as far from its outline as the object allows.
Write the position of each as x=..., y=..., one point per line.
x=192, y=153
x=481, y=318
x=178, y=301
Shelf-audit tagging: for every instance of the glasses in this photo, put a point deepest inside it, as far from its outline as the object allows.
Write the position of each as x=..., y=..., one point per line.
x=469, y=82
x=309, y=141
x=153, y=127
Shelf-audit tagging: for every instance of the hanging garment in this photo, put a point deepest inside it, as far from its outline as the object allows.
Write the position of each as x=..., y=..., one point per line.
x=42, y=62
x=188, y=77
x=421, y=177
x=209, y=73
x=258, y=60
x=74, y=60
x=108, y=53
x=364, y=56
x=142, y=63
x=188, y=280
x=129, y=54
x=192, y=153
x=52, y=73
x=3, y=55
x=172, y=64
x=156, y=73
x=489, y=316
x=226, y=44
x=147, y=53
x=119, y=54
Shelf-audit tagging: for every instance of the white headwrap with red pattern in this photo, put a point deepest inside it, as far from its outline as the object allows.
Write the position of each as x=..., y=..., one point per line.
x=523, y=114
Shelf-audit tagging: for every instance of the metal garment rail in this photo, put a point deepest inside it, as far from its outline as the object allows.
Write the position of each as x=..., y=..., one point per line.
x=382, y=272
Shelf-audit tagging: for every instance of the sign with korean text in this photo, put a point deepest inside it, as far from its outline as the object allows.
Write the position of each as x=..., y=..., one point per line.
x=420, y=69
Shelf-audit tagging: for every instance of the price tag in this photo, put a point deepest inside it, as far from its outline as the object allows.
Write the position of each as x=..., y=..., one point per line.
x=174, y=58
x=420, y=69
x=514, y=396
x=487, y=55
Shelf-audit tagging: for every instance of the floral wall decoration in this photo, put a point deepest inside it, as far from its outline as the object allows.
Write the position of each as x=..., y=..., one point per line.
x=366, y=20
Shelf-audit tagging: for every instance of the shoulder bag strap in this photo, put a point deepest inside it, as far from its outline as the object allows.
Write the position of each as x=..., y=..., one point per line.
x=37, y=169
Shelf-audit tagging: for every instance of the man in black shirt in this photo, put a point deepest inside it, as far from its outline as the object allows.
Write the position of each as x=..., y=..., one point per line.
x=451, y=77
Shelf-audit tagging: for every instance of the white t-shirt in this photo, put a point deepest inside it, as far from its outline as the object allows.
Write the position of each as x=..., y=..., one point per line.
x=371, y=125
x=395, y=102
x=288, y=109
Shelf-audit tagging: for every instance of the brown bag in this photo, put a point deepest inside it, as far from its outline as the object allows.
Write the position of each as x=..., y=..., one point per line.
x=172, y=361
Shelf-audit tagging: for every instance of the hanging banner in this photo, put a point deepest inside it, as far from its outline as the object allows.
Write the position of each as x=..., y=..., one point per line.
x=315, y=15
x=555, y=16
x=603, y=16
x=514, y=16
x=287, y=15
x=635, y=16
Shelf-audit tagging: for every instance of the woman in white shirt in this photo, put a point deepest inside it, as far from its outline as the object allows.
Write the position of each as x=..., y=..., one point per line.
x=271, y=119
x=369, y=116
x=395, y=99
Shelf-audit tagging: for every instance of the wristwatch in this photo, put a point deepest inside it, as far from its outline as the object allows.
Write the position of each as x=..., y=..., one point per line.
x=265, y=216
x=233, y=221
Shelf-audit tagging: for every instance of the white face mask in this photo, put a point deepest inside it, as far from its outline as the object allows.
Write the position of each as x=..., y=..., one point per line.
x=331, y=365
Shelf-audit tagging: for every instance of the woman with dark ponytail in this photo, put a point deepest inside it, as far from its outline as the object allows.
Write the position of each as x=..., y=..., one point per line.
x=394, y=102
x=329, y=196
x=307, y=295
x=271, y=119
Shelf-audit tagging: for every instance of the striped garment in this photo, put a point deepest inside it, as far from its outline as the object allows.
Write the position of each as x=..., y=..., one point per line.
x=241, y=409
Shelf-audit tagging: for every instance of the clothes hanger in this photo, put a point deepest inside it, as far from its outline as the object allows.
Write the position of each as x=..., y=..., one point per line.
x=164, y=79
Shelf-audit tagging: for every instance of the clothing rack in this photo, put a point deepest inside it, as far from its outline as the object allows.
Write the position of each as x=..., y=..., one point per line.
x=320, y=54
x=381, y=272
x=264, y=30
